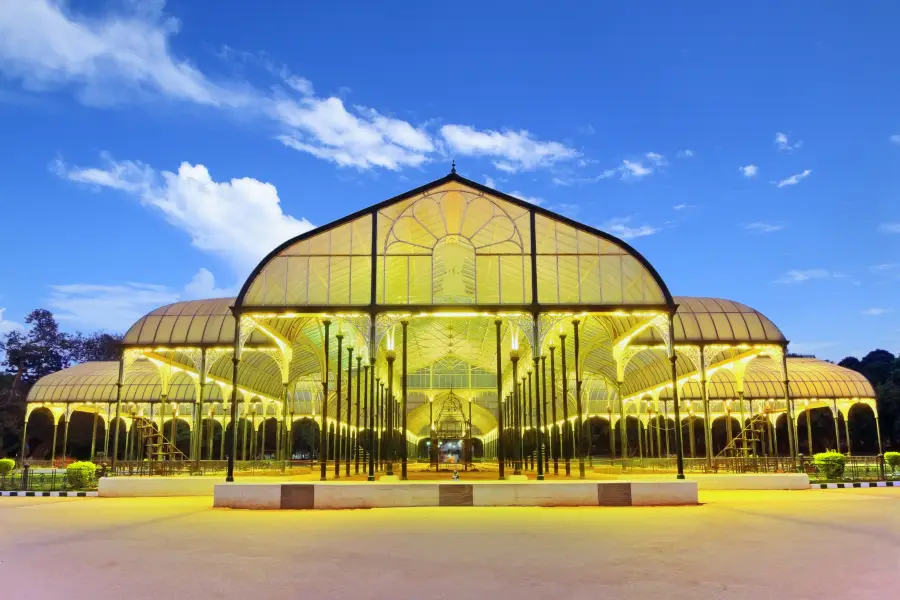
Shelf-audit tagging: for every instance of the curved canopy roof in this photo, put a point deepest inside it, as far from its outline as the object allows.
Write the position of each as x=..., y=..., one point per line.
x=717, y=321
x=190, y=323
x=809, y=378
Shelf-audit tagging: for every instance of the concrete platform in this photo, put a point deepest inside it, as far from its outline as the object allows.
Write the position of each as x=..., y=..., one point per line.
x=338, y=495
x=156, y=487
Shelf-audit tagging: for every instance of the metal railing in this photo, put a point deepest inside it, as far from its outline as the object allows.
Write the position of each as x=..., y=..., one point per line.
x=856, y=468
x=37, y=479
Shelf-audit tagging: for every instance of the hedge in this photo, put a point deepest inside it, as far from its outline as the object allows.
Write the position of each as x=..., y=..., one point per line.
x=891, y=459
x=830, y=464
x=6, y=466
x=81, y=474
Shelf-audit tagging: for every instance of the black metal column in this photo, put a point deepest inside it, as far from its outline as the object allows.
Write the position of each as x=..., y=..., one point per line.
x=323, y=430
x=403, y=385
x=578, y=405
x=500, y=407
x=566, y=447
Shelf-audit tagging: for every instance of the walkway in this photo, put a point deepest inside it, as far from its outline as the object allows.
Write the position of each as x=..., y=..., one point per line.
x=811, y=544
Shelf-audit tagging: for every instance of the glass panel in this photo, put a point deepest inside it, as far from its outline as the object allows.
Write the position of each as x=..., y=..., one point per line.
x=487, y=279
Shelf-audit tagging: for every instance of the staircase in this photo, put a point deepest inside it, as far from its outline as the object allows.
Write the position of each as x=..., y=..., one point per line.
x=743, y=443
x=158, y=446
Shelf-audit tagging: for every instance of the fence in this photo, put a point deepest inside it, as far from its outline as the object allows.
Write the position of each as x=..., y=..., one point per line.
x=31, y=479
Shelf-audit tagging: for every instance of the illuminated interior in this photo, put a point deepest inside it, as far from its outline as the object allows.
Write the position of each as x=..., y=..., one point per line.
x=445, y=269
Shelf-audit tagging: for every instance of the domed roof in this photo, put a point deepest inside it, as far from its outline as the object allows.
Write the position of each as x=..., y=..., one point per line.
x=717, y=321
x=190, y=323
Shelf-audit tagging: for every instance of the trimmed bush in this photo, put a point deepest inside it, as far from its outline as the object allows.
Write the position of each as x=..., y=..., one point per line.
x=6, y=466
x=891, y=459
x=81, y=474
x=830, y=464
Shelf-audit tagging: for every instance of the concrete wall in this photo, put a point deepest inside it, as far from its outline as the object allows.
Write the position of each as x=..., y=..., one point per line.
x=752, y=481
x=146, y=487
x=331, y=495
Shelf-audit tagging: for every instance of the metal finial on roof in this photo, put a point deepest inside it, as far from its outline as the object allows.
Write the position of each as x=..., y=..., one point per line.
x=453, y=167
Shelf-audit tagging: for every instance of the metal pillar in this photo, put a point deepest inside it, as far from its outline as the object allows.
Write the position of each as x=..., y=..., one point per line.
x=837, y=430
x=578, y=405
x=323, y=430
x=339, y=376
x=403, y=385
x=517, y=451
x=93, y=435
x=358, y=402
x=501, y=455
x=538, y=438
x=566, y=447
x=679, y=454
x=349, y=436
x=529, y=418
x=545, y=434
x=370, y=414
x=390, y=408
x=877, y=433
x=809, y=442
x=25, y=438
x=792, y=437
x=554, y=441
x=119, y=384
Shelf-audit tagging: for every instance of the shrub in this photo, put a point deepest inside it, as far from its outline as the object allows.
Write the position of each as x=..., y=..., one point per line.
x=830, y=464
x=891, y=459
x=6, y=466
x=81, y=474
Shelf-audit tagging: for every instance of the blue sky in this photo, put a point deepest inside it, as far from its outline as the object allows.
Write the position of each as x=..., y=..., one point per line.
x=155, y=151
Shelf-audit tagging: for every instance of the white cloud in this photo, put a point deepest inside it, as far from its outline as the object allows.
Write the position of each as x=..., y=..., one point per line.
x=797, y=275
x=656, y=158
x=240, y=220
x=116, y=57
x=889, y=227
x=127, y=55
x=634, y=169
x=512, y=151
x=783, y=143
x=530, y=199
x=749, y=170
x=109, y=307
x=116, y=307
x=885, y=267
x=327, y=130
x=686, y=153
x=203, y=285
x=762, y=227
x=6, y=325
x=621, y=227
x=876, y=312
x=896, y=138
x=489, y=181
x=794, y=179
x=681, y=206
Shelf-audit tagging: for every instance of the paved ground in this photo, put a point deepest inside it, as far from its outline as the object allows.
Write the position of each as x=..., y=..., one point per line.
x=809, y=544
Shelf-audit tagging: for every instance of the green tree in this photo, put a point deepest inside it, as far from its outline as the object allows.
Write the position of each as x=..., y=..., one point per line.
x=39, y=350
x=882, y=369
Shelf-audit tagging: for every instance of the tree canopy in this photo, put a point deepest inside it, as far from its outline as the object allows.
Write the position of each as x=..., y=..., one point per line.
x=882, y=369
x=38, y=350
